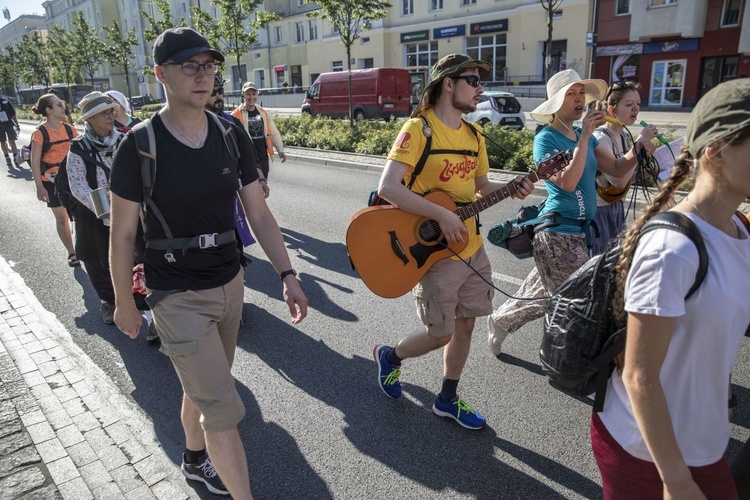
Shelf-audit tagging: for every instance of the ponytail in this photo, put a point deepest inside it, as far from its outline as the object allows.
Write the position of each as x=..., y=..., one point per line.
x=680, y=173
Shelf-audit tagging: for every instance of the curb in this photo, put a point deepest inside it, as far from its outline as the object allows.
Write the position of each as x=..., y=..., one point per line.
x=67, y=431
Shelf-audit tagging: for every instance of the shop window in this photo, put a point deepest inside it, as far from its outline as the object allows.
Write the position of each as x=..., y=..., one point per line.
x=667, y=83
x=491, y=49
x=421, y=54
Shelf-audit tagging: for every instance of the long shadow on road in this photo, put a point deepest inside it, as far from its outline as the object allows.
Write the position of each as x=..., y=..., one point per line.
x=402, y=434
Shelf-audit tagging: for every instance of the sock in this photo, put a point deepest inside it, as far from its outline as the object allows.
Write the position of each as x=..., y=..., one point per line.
x=448, y=392
x=194, y=457
x=392, y=358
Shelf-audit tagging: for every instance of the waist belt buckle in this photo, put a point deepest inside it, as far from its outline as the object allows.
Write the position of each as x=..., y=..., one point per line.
x=207, y=240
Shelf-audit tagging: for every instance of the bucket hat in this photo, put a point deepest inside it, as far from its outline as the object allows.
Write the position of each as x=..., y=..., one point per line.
x=558, y=85
x=95, y=102
x=120, y=98
x=180, y=44
x=720, y=113
x=449, y=65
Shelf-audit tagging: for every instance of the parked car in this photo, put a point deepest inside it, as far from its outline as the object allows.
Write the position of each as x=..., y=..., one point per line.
x=500, y=108
x=376, y=93
x=138, y=101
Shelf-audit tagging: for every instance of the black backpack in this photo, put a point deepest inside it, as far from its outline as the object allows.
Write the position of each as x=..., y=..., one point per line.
x=581, y=335
x=83, y=148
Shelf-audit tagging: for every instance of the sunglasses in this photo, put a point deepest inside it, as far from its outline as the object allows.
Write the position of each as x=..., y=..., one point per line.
x=472, y=80
x=219, y=91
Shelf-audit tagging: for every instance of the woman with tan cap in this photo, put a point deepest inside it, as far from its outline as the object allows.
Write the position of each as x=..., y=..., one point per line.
x=563, y=248
x=664, y=429
x=88, y=167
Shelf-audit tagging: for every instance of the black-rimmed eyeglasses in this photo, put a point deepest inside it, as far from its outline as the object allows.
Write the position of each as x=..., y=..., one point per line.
x=191, y=68
x=472, y=80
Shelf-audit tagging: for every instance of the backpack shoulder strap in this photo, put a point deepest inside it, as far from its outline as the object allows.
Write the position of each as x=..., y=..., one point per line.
x=69, y=130
x=679, y=222
x=427, y=131
x=45, y=138
x=229, y=139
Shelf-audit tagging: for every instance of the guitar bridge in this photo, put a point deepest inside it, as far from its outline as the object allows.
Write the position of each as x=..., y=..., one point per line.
x=397, y=248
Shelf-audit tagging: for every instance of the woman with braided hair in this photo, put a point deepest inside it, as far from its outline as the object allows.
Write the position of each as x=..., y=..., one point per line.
x=665, y=428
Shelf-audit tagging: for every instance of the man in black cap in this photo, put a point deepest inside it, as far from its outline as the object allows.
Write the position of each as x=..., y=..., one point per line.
x=193, y=270
x=450, y=295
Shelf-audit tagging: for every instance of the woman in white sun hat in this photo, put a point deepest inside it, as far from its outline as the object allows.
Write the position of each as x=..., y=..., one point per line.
x=563, y=248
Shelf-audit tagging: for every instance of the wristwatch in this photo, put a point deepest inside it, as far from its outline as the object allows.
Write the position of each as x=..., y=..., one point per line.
x=287, y=273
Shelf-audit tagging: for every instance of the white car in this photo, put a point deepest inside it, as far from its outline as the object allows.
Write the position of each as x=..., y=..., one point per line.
x=501, y=108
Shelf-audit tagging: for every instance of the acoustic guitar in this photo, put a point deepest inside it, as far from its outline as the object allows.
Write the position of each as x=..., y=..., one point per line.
x=392, y=249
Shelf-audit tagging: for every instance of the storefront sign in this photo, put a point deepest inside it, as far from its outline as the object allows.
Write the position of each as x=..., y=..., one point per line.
x=279, y=68
x=449, y=31
x=415, y=36
x=489, y=27
x=670, y=46
x=619, y=50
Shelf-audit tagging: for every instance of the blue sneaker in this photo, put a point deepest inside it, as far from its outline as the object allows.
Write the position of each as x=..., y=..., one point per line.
x=460, y=411
x=388, y=374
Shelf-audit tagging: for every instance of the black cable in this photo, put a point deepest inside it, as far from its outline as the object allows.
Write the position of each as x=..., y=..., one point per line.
x=546, y=297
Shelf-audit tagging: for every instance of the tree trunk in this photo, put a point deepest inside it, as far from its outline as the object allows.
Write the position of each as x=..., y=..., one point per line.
x=349, y=69
x=126, y=67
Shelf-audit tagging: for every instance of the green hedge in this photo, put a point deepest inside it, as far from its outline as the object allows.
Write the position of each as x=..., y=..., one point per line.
x=507, y=148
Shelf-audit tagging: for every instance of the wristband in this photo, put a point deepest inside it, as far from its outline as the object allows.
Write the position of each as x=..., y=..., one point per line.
x=287, y=273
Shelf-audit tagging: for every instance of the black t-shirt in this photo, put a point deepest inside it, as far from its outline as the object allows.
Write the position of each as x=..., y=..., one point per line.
x=194, y=190
x=7, y=107
x=256, y=129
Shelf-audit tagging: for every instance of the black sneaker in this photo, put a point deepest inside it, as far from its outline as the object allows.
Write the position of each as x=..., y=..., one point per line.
x=108, y=313
x=204, y=471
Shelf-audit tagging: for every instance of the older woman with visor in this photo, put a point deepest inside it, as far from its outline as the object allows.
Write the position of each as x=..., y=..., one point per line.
x=88, y=165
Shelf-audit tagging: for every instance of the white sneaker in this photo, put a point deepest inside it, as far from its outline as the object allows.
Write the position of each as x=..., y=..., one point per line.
x=496, y=337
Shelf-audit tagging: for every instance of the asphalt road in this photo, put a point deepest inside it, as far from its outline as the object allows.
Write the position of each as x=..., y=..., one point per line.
x=317, y=425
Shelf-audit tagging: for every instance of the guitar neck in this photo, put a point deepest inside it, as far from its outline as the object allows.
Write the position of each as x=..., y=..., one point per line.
x=485, y=202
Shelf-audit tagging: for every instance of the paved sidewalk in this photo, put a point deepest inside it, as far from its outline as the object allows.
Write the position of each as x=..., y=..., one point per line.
x=65, y=430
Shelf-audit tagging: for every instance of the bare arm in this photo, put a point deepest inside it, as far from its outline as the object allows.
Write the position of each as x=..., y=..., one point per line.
x=524, y=186
x=568, y=179
x=645, y=350
x=268, y=234
x=391, y=189
x=36, y=171
x=124, y=216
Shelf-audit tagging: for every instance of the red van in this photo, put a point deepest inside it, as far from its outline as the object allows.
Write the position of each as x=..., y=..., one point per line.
x=376, y=93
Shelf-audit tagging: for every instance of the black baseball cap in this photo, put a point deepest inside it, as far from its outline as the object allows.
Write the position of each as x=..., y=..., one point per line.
x=180, y=44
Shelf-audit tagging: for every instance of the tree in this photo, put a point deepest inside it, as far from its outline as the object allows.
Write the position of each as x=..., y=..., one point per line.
x=89, y=54
x=350, y=18
x=119, y=49
x=550, y=6
x=12, y=59
x=234, y=34
x=159, y=24
x=33, y=59
x=7, y=73
x=62, y=54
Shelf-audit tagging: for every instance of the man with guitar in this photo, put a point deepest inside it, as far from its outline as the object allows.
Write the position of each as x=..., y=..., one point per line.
x=451, y=294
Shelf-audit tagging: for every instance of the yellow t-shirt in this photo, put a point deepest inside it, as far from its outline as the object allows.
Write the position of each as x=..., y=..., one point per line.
x=452, y=173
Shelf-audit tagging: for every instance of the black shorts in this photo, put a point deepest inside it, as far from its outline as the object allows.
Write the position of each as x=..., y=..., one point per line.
x=7, y=132
x=52, y=200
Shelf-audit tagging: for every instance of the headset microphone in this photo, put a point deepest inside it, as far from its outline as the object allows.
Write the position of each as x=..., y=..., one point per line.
x=660, y=137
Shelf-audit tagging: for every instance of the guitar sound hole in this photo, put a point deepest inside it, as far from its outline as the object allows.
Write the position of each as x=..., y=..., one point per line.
x=429, y=230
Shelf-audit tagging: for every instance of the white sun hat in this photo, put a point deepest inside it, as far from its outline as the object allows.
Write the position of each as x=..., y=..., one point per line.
x=558, y=85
